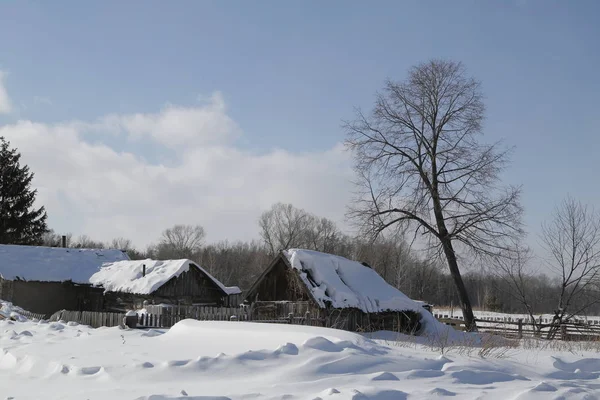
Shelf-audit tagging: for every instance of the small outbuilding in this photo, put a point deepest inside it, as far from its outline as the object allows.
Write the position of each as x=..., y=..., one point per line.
x=44, y=280
x=342, y=293
x=132, y=284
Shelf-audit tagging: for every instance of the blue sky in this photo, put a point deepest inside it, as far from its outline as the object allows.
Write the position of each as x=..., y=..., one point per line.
x=285, y=74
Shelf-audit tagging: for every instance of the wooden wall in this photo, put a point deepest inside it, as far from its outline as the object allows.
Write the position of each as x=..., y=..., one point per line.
x=49, y=297
x=191, y=287
x=281, y=283
x=349, y=319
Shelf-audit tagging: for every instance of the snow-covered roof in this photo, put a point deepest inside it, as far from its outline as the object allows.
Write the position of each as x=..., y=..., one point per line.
x=54, y=264
x=127, y=276
x=347, y=284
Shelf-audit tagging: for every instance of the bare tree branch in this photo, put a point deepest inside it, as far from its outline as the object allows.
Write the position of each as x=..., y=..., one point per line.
x=572, y=238
x=421, y=165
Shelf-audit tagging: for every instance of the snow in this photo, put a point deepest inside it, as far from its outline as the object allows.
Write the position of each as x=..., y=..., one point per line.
x=8, y=310
x=53, y=264
x=242, y=360
x=345, y=283
x=350, y=284
x=128, y=276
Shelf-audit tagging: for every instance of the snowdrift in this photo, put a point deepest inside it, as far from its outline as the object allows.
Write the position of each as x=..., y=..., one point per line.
x=239, y=361
x=10, y=311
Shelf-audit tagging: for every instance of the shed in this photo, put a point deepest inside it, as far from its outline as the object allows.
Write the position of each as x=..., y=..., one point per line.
x=47, y=279
x=346, y=294
x=128, y=284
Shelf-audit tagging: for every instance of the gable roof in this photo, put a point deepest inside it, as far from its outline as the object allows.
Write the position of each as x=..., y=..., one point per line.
x=127, y=276
x=343, y=283
x=53, y=264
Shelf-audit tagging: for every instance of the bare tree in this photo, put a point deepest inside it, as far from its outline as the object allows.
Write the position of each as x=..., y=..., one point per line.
x=86, y=242
x=284, y=226
x=422, y=167
x=53, y=239
x=121, y=244
x=572, y=239
x=181, y=241
x=238, y=263
x=514, y=271
x=323, y=235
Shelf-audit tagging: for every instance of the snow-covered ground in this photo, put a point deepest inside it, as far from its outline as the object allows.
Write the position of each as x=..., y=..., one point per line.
x=241, y=360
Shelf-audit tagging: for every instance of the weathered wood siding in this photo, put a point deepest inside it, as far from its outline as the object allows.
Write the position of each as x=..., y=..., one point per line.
x=280, y=284
x=191, y=287
x=49, y=297
x=6, y=290
x=272, y=310
x=281, y=292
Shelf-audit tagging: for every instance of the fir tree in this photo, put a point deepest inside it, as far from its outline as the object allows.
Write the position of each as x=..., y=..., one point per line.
x=20, y=222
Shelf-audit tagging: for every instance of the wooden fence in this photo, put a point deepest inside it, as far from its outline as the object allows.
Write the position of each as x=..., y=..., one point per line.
x=91, y=318
x=296, y=313
x=519, y=328
x=166, y=317
x=31, y=315
x=28, y=315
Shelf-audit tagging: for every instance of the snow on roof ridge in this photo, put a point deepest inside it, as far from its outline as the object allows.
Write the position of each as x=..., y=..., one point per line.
x=346, y=283
x=127, y=276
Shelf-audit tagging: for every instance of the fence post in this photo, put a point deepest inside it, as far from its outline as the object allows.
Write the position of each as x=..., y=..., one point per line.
x=307, y=318
x=520, y=328
x=563, y=331
x=290, y=318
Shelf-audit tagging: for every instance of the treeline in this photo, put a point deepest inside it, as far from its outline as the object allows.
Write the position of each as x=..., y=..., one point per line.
x=285, y=226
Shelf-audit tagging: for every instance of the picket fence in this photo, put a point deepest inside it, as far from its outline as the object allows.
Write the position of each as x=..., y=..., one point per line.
x=91, y=318
x=27, y=314
x=31, y=315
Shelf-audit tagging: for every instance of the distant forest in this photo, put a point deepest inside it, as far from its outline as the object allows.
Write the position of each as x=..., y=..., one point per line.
x=285, y=226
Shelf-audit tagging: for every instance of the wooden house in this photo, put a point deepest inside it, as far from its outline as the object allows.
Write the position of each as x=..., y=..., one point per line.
x=339, y=292
x=44, y=280
x=134, y=284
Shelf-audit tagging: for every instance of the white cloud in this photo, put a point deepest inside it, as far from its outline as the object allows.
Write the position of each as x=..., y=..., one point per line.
x=93, y=189
x=5, y=103
x=177, y=126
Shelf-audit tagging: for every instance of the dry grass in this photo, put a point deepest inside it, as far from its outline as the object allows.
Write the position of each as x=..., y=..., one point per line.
x=491, y=346
x=560, y=345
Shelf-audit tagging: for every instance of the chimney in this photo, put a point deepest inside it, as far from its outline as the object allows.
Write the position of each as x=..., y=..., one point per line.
x=63, y=241
x=143, y=269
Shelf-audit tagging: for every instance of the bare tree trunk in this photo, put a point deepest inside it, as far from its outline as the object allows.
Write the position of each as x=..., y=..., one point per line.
x=463, y=296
